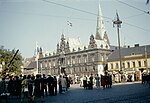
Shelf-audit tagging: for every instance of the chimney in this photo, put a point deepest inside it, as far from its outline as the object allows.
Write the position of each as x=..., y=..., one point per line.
x=136, y=45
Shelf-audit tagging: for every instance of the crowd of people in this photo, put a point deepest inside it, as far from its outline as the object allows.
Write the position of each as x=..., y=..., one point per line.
x=29, y=87
x=88, y=81
x=146, y=78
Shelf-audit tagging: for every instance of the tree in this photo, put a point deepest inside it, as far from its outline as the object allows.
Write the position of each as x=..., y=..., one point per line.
x=10, y=66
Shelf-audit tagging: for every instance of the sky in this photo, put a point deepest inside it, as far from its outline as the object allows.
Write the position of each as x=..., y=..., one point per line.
x=25, y=22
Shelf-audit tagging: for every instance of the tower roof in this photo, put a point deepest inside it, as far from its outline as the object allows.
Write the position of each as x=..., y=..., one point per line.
x=100, y=29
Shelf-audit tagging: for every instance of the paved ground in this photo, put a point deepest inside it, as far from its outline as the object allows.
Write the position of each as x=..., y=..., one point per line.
x=133, y=92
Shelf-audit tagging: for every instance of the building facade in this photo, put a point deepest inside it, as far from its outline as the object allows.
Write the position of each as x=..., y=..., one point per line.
x=74, y=58
x=135, y=60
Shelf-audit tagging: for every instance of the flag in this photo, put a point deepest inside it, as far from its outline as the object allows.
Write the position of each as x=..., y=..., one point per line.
x=147, y=2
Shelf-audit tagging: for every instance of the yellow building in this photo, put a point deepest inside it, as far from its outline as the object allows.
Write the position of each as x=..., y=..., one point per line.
x=135, y=60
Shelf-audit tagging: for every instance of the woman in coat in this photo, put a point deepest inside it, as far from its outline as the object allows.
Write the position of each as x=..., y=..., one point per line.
x=103, y=81
x=64, y=83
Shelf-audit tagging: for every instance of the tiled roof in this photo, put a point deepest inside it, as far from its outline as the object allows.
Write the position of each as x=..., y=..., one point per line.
x=75, y=43
x=33, y=64
x=139, y=50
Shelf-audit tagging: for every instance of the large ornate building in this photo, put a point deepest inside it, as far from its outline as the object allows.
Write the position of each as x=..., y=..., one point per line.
x=72, y=57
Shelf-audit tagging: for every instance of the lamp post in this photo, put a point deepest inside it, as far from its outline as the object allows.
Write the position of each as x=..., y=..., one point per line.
x=118, y=23
x=146, y=63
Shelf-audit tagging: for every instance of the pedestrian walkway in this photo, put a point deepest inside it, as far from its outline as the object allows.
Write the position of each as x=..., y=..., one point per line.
x=131, y=92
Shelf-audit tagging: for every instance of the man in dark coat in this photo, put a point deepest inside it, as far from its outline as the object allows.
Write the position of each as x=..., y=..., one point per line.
x=55, y=85
x=2, y=86
x=103, y=81
x=11, y=86
x=50, y=82
x=17, y=86
x=91, y=82
x=45, y=84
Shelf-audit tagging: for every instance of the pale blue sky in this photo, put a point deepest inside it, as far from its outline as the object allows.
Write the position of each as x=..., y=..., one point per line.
x=23, y=22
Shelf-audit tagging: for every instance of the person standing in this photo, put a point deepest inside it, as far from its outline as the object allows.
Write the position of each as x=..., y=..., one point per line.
x=85, y=82
x=64, y=84
x=24, y=91
x=17, y=86
x=2, y=87
x=110, y=81
x=103, y=82
x=11, y=86
x=59, y=83
x=67, y=82
x=50, y=82
x=97, y=78
x=55, y=85
x=45, y=84
x=91, y=82
x=42, y=89
x=36, y=92
x=30, y=87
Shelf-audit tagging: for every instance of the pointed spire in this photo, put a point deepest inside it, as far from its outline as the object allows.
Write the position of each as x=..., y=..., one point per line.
x=36, y=49
x=62, y=37
x=106, y=38
x=100, y=29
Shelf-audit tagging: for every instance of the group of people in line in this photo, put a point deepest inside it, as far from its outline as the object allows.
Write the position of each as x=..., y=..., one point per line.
x=88, y=81
x=146, y=78
x=29, y=87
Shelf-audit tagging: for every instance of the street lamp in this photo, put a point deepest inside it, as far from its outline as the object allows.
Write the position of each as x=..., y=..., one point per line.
x=118, y=23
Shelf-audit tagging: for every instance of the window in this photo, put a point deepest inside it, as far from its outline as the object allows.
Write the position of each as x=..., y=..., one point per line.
x=93, y=68
x=41, y=66
x=111, y=66
x=45, y=64
x=73, y=60
x=85, y=59
x=53, y=62
x=86, y=69
x=128, y=64
x=79, y=59
x=139, y=62
x=92, y=59
x=117, y=66
x=123, y=65
x=68, y=61
x=50, y=64
x=134, y=64
x=145, y=63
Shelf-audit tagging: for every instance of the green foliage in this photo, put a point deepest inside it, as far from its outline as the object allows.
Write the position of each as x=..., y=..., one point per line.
x=5, y=58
